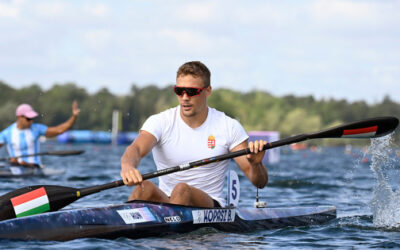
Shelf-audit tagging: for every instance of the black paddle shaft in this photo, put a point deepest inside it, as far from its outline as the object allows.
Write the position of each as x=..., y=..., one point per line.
x=60, y=196
x=56, y=153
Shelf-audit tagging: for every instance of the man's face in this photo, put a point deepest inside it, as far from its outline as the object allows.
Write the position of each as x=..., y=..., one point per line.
x=192, y=105
x=25, y=122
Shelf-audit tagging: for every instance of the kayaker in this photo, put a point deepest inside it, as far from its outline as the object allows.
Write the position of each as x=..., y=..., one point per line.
x=189, y=132
x=22, y=137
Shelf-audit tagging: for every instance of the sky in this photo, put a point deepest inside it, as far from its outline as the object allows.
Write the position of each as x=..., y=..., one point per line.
x=327, y=48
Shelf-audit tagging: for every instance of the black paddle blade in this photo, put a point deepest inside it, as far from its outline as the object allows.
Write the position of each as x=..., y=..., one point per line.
x=386, y=126
x=368, y=128
x=58, y=196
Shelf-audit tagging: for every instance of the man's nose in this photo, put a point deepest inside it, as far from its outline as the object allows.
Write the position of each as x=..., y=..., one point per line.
x=185, y=95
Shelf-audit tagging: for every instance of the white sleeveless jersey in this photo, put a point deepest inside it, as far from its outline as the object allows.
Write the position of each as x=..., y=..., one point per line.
x=177, y=144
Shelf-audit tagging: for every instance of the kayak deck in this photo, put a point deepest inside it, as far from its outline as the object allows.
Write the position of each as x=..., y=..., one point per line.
x=142, y=219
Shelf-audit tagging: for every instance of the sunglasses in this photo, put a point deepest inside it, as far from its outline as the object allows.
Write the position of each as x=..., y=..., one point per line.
x=189, y=91
x=28, y=119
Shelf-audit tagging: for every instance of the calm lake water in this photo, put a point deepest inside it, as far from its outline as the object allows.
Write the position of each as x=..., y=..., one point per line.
x=366, y=195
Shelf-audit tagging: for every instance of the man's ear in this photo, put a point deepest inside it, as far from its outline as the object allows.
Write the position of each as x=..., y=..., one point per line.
x=209, y=90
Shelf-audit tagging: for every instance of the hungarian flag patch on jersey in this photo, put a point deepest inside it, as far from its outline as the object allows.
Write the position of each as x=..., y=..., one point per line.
x=211, y=142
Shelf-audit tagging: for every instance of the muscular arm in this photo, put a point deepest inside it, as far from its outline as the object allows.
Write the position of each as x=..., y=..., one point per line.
x=133, y=155
x=252, y=165
x=59, y=129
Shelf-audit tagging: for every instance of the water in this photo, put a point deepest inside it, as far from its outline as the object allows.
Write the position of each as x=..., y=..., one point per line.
x=367, y=197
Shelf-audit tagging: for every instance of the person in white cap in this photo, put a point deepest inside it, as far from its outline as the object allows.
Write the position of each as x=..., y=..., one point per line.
x=22, y=137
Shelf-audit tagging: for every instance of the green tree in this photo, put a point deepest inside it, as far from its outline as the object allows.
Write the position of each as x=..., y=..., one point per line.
x=7, y=114
x=6, y=93
x=55, y=104
x=298, y=122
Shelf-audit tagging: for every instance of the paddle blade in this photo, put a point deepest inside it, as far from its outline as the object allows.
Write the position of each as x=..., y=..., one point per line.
x=368, y=128
x=35, y=199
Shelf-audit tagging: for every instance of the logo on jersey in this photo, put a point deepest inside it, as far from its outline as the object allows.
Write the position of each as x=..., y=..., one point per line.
x=211, y=142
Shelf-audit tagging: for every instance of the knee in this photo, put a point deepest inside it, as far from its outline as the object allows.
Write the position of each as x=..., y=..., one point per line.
x=145, y=186
x=148, y=184
x=143, y=191
x=180, y=189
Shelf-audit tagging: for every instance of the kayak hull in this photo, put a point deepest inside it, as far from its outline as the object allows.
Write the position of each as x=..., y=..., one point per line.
x=143, y=219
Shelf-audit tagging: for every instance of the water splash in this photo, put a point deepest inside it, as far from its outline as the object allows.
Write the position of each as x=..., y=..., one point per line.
x=385, y=204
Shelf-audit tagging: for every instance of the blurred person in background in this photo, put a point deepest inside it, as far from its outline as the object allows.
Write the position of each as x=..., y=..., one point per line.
x=22, y=137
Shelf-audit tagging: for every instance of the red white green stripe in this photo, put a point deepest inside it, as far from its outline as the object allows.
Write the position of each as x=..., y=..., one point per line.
x=34, y=202
x=360, y=132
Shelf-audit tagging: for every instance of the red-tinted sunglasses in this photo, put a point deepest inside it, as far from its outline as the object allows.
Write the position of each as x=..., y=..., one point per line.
x=189, y=91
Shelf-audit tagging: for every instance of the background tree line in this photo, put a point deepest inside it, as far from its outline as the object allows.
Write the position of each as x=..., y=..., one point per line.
x=256, y=110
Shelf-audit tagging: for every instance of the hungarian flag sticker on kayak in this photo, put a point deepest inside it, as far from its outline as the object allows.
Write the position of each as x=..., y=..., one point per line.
x=360, y=132
x=34, y=202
